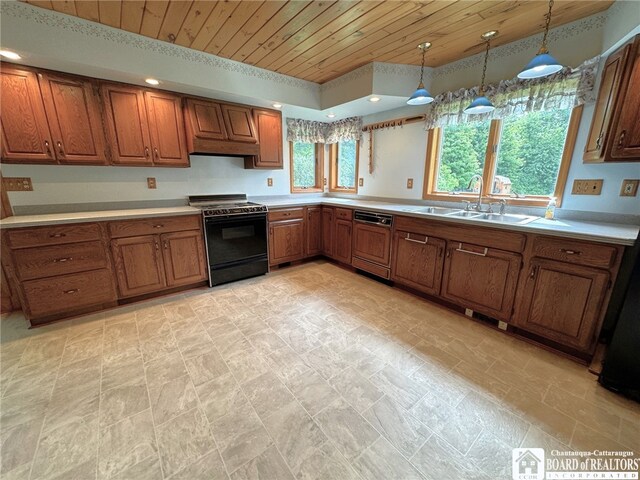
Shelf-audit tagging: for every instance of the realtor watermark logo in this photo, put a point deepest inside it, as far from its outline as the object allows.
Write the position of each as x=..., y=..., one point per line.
x=533, y=464
x=528, y=463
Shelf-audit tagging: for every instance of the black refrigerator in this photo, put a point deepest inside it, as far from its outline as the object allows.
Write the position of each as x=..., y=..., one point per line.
x=621, y=369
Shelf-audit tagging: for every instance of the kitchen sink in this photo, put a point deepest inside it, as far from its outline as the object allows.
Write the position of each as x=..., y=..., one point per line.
x=464, y=213
x=506, y=218
x=437, y=210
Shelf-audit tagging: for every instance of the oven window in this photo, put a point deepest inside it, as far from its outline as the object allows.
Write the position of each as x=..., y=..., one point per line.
x=231, y=233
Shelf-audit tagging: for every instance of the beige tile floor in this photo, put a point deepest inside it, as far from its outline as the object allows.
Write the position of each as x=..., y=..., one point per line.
x=311, y=372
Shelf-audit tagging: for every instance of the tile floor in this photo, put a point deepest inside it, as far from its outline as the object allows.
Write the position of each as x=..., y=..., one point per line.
x=311, y=372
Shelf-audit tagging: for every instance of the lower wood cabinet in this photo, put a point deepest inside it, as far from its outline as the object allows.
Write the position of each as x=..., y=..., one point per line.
x=563, y=302
x=314, y=231
x=286, y=241
x=150, y=263
x=328, y=231
x=418, y=261
x=342, y=248
x=138, y=264
x=483, y=279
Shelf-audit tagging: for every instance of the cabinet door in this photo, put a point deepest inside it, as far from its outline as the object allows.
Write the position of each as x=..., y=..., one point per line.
x=286, y=241
x=239, y=123
x=314, y=230
x=342, y=247
x=328, y=231
x=480, y=278
x=372, y=243
x=75, y=119
x=607, y=96
x=166, y=127
x=626, y=139
x=127, y=125
x=563, y=302
x=25, y=132
x=184, y=259
x=269, y=127
x=138, y=264
x=205, y=119
x=418, y=261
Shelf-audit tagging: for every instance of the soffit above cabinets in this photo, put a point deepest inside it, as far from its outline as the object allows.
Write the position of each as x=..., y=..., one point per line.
x=322, y=40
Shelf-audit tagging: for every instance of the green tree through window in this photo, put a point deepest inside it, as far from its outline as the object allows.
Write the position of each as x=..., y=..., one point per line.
x=530, y=152
x=463, y=155
x=347, y=164
x=304, y=165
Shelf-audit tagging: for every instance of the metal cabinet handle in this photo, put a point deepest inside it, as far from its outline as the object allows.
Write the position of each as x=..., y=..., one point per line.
x=460, y=249
x=57, y=235
x=60, y=149
x=62, y=260
x=74, y=290
x=146, y=152
x=533, y=272
x=155, y=152
x=159, y=225
x=286, y=214
x=621, y=139
x=166, y=245
x=409, y=239
x=599, y=140
x=570, y=252
x=48, y=148
x=157, y=246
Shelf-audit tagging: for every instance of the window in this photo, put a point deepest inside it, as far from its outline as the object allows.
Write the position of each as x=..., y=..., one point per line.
x=524, y=159
x=344, y=167
x=307, y=171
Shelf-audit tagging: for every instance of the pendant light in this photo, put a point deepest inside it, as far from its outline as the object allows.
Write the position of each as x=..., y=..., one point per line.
x=421, y=96
x=481, y=104
x=542, y=64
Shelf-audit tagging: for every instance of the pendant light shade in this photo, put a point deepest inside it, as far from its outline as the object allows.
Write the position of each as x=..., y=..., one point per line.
x=543, y=64
x=421, y=96
x=482, y=104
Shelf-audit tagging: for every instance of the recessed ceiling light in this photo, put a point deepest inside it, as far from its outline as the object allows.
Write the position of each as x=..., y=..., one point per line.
x=277, y=105
x=152, y=81
x=331, y=115
x=374, y=99
x=10, y=55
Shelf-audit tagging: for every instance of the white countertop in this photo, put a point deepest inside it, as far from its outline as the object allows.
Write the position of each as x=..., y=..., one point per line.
x=619, y=234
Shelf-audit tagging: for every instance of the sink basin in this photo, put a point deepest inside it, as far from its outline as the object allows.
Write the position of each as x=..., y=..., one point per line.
x=506, y=218
x=464, y=213
x=437, y=210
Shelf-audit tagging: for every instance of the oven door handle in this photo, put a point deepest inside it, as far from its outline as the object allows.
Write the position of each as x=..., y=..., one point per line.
x=232, y=219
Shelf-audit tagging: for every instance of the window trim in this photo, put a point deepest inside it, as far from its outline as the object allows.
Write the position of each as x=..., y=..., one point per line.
x=434, y=143
x=333, y=170
x=319, y=185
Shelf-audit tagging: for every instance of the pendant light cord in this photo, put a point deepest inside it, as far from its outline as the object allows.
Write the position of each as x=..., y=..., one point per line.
x=484, y=69
x=543, y=48
x=422, y=65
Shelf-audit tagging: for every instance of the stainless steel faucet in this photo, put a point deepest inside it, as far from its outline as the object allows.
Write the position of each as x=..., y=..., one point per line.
x=477, y=206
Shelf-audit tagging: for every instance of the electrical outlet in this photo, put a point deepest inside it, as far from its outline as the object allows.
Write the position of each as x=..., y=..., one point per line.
x=17, y=184
x=151, y=183
x=269, y=182
x=629, y=188
x=361, y=182
x=468, y=312
x=587, y=187
x=409, y=183
x=502, y=325
x=325, y=181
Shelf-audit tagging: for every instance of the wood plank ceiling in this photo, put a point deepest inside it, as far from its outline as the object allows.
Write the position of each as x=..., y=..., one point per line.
x=320, y=40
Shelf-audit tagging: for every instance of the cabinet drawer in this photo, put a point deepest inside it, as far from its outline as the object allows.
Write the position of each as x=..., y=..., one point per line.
x=152, y=226
x=570, y=251
x=53, y=235
x=286, y=214
x=59, y=259
x=67, y=293
x=344, y=213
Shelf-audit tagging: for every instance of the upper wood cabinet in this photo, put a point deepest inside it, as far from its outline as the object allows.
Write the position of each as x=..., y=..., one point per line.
x=269, y=129
x=204, y=120
x=127, y=124
x=75, y=121
x=166, y=126
x=481, y=278
x=418, y=261
x=614, y=134
x=563, y=302
x=25, y=132
x=239, y=123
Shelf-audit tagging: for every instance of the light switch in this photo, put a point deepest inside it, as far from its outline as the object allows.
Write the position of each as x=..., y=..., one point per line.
x=629, y=188
x=151, y=183
x=269, y=182
x=361, y=182
x=409, y=183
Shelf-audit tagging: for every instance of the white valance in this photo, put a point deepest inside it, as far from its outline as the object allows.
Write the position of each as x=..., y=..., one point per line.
x=565, y=89
x=308, y=131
